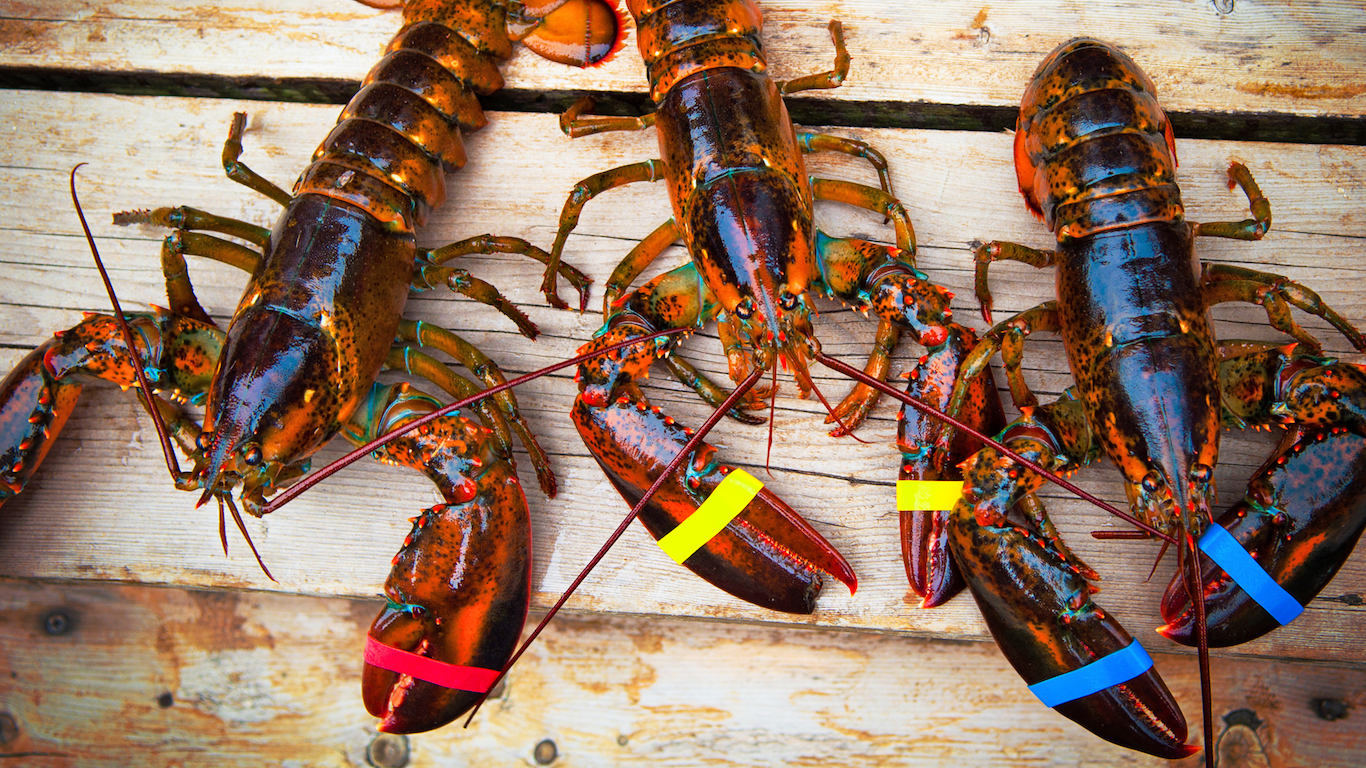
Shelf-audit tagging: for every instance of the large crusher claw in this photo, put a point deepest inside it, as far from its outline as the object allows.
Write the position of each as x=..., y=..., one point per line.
x=768, y=555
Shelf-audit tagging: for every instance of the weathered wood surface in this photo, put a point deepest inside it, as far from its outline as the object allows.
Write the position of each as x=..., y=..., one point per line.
x=1260, y=58
x=159, y=677
x=102, y=507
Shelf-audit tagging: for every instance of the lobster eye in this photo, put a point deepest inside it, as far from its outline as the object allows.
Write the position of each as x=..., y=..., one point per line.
x=252, y=456
x=1201, y=473
x=787, y=301
x=743, y=311
x=204, y=440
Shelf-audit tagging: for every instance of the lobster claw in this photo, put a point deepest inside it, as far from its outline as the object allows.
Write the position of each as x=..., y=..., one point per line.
x=1040, y=612
x=932, y=450
x=1300, y=520
x=460, y=587
x=768, y=555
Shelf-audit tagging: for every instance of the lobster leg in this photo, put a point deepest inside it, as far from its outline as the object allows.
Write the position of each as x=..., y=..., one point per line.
x=510, y=245
x=1003, y=251
x=1226, y=282
x=635, y=262
x=41, y=392
x=1247, y=229
x=872, y=276
x=506, y=414
x=824, y=142
x=823, y=80
x=881, y=279
x=1036, y=603
x=239, y=172
x=576, y=124
x=1304, y=510
x=767, y=555
x=589, y=188
x=460, y=587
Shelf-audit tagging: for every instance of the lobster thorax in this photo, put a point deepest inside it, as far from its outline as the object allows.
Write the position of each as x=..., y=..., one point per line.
x=738, y=188
x=678, y=38
x=307, y=340
x=1140, y=345
x=1093, y=149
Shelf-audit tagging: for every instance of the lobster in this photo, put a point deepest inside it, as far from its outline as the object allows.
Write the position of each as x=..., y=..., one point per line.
x=1095, y=159
x=742, y=203
x=321, y=315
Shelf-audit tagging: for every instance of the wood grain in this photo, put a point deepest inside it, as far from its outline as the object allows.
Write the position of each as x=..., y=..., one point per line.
x=1261, y=58
x=174, y=677
x=264, y=672
x=103, y=509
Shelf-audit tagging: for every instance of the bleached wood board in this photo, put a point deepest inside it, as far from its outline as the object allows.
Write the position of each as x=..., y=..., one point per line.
x=158, y=677
x=1260, y=58
x=103, y=509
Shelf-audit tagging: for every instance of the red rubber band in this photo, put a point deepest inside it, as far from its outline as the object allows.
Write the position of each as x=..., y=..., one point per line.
x=472, y=679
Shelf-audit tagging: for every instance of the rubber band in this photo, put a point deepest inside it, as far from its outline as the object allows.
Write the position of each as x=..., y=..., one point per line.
x=736, y=490
x=928, y=495
x=472, y=679
x=1119, y=667
x=1228, y=554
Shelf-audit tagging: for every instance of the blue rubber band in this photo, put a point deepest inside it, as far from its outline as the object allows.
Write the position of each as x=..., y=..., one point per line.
x=1119, y=667
x=1228, y=554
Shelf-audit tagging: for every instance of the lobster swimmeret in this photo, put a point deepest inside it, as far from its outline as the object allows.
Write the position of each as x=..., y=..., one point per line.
x=1096, y=161
x=743, y=206
x=319, y=320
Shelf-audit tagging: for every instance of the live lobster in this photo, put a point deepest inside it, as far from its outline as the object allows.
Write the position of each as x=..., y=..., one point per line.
x=743, y=207
x=321, y=316
x=1095, y=157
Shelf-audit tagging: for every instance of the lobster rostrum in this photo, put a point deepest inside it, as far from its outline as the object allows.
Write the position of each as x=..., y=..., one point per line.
x=743, y=207
x=321, y=316
x=1096, y=161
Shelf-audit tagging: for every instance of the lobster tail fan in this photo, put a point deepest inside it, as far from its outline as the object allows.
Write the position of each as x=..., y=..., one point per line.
x=579, y=33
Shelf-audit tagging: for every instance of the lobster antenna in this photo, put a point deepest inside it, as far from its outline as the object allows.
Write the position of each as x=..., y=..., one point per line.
x=885, y=388
x=772, y=412
x=144, y=388
x=697, y=437
x=1196, y=593
x=241, y=526
x=291, y=492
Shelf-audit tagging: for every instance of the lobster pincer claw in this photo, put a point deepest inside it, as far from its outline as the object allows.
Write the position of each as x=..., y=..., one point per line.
x=459, y=588
x=767, y=555
x=1301, y=518
x=1040, y=612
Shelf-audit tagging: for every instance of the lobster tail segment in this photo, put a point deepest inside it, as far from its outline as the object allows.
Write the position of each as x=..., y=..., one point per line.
x=579, y=33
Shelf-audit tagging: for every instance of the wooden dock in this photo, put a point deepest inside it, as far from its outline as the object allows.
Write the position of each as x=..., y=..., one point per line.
x=128, y=638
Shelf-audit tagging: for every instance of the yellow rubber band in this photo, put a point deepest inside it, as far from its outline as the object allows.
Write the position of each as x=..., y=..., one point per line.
x=928, y=495
x=735, y=491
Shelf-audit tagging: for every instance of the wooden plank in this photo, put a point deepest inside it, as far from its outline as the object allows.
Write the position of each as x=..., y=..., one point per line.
x=103, y=509
x=1261, y=58
x=173, y=677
